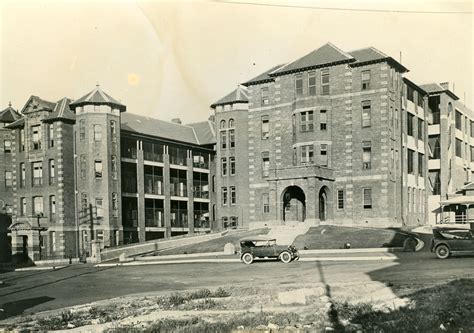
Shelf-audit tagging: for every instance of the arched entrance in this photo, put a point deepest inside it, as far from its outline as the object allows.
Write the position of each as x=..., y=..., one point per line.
x=323, y=203
x=294, y=204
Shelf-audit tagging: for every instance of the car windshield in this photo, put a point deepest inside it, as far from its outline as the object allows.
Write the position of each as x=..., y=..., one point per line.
x=455, y=234
x=265, y=242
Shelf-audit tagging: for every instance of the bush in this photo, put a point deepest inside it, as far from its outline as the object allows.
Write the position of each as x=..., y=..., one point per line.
x=198, y=294
x=221, y=292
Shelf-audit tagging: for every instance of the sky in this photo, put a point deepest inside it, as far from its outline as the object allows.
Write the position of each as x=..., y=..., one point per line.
x=172, y=59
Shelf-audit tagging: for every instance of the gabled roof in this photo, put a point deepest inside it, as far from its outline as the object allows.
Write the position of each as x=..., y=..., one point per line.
x=35, y=104
x=98, y=97
x=434, y=88
x=262, y=78
x=204, y=132
x=9, y=115
x=372, y=55
x=239, y=95
x=326, y=55
x=158, y=128
x=61, y=112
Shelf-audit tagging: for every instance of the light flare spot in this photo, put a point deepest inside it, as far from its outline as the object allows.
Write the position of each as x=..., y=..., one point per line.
x=133, y=79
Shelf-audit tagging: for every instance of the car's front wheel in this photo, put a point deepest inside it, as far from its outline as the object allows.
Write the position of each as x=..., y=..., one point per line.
x=285, y=257
x=442, y=252
x=247, y=258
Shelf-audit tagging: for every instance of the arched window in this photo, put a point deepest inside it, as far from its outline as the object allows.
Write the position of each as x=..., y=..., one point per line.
x=222, y=124
x=231, y=122
x=450, y=108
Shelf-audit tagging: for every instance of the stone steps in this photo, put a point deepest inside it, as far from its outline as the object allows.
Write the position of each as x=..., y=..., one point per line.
x=285, y=235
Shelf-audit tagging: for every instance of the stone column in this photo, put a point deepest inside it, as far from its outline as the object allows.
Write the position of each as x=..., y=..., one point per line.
x=141, y=193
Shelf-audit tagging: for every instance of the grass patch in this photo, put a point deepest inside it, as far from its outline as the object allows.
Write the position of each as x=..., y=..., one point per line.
x=334, y=237
x=442, y=308
x=215, y=245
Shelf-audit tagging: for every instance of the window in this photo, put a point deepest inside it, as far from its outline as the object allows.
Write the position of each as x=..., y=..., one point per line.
x=420, y=100
x=421, y=128
x=84, y=205
x=98, y=168
x=232, y=138
x=36, y=136
x=325, y=82
x=365, y=80
x=97, y=132
x=233, y=196
x=98, y=207
x=37, y=173
x=113, y=166
x=472, y=153
x=115, y=204
x=458, y=148
x=396, y=118
x=264, y=96
x=366, y=155
x=265, y=127
x=306, y=121
x=458, y=120
x=340, y=199
x=265, y=163
x=52, y=204
x=82, y=129
x=224, y=166
x=450, y=108
x=232, y=165
x=312, y=83
x=22, y=206
x=22, y=139
x=307, y=154
x=113, y=130
x=295, y=156
x=224, y=196
x=266, y=203
x=51, y=135
x=52, y=173
x=324, y=154
x=323, y=119
x=83, y=165
x=22, y=175
x=421, y=170
x=299, y=85
x=367, y=198
x=231, y=122
x=410, y=162
x=8, y=179
x=225, y=221
x=37, y=205
x=222, y=124
x=7, y=146
x=223, y=139
x=366, y=114
x=53, y=240
x=410, y=124
x=410, y=94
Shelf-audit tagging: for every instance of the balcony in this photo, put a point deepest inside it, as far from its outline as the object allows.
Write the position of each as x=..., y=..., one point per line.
x=305, y=171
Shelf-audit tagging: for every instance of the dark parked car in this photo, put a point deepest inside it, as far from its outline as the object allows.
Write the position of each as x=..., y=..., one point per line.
x=266, y=248
x=448, y=240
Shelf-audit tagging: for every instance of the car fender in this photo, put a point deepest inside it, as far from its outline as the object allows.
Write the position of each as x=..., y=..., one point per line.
x=436, y=244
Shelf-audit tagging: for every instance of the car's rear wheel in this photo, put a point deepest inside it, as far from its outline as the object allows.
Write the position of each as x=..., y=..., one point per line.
x=442, y=252
x=285, y=257
x=247, y=258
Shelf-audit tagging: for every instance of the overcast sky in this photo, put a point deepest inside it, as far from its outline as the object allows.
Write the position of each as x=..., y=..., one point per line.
x=173, y=59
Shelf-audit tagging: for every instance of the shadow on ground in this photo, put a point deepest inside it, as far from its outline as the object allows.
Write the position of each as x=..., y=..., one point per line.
x=11, y=309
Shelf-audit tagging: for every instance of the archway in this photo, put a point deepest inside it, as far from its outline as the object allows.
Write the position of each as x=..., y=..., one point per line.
x=294, y=204
x=323, y=203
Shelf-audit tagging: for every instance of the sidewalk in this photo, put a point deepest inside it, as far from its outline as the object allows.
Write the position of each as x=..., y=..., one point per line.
x=221, y=257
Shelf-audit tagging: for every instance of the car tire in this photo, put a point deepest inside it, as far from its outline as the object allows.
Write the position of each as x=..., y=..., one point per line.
x=442, y=251
x=285, y=257
x=247, y=258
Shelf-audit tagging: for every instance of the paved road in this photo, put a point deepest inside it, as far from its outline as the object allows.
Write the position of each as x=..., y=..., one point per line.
x=33, y=291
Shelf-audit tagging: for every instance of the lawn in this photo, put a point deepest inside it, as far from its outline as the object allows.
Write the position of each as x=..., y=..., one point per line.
x=334, y=237
x=215, y=245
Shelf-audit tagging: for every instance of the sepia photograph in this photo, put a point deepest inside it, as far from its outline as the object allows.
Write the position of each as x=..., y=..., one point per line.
x=236, y=166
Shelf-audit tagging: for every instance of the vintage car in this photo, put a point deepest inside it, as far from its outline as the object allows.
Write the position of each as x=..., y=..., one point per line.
x=261, y=247
x=448, y=240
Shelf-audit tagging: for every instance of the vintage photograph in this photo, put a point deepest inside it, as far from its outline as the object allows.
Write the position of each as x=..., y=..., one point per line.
x=236, y=166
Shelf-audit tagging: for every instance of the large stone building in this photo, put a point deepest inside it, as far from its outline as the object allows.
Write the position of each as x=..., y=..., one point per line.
x=87, y=170
x=332, y=137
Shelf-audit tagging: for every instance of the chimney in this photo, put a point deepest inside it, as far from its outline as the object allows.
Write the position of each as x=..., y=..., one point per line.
x=176, y=121
x=212, y=118
x=445, y=85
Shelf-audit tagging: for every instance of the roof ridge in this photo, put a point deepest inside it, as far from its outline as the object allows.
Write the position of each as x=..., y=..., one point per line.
x=379, y=52
x=338, y=49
